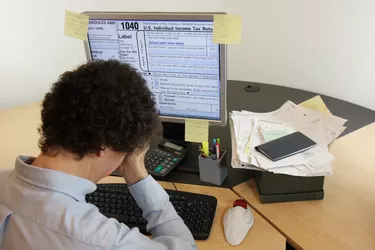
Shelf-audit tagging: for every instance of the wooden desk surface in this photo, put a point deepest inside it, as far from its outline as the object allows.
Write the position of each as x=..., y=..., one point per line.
x=345, y=219
x=114, y=179
x=261, y=236
x=18, y=133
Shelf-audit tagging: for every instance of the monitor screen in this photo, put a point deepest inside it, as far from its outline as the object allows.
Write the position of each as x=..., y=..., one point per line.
x=177, y=58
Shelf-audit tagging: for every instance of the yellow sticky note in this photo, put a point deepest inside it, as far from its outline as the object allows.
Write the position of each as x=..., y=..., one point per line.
x=316, y=103
x=76, y=25
x=196, y=130
x=227, y=29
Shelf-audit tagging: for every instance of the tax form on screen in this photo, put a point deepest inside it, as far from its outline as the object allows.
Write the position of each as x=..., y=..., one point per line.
x=177, y=58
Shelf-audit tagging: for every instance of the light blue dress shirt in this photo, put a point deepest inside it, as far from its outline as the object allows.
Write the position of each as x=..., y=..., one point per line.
x=44, y=209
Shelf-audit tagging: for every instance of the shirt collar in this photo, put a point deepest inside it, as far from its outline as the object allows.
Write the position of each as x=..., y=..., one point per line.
x=71, y=185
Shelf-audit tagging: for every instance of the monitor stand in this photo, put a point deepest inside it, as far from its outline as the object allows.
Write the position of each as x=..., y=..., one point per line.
x=175, y=132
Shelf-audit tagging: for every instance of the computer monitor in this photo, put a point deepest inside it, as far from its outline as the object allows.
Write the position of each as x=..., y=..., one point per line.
x=174, y=52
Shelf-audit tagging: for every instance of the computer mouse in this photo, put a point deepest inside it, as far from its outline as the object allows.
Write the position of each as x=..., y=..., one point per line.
x=238, y=220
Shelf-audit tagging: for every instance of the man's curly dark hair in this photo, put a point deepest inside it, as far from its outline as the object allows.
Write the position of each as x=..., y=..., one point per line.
x=101, y=103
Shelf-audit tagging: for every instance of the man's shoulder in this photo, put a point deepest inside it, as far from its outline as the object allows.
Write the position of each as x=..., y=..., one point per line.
x=5, y=172
x=78, y=221
x=4, y=177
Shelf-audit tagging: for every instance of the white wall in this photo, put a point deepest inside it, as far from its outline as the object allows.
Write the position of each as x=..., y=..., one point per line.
x=35, y=51
x=326, y=46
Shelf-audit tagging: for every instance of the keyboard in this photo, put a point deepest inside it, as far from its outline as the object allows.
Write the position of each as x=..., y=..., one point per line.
x=196, y=210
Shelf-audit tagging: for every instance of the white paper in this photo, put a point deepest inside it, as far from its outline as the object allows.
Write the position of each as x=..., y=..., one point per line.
x=246, y=132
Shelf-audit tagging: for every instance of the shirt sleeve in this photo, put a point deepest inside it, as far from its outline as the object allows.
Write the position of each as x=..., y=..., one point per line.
x=166, y=227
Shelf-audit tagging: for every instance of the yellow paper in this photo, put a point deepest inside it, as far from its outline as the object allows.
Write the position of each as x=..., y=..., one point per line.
x=76, y=25
x=316, y=103
x=227, y=29
x=196, y=130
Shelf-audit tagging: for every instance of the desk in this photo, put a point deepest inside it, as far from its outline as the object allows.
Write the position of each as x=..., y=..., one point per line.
x=345, y=219
x=269, y=98
x=112, y=179
x=18, y=125
x=301, y=222
x=262, y=236
x=18, y=133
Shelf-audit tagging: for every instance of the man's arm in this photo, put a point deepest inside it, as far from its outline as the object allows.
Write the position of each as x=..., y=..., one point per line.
x=160, y=214
x=167, y=228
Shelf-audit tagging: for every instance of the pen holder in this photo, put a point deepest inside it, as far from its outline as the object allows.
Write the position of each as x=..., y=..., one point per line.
x=212, y=170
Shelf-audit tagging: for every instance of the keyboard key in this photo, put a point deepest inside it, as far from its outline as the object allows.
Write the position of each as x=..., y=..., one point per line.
x=205, y=226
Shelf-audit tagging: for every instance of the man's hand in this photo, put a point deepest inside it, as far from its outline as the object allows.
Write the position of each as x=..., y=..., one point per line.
x=133, y=167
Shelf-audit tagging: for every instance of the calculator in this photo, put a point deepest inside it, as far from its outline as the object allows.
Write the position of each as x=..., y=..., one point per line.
x=161, y=160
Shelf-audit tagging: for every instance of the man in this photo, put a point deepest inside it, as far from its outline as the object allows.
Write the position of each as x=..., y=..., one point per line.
x=96, y=119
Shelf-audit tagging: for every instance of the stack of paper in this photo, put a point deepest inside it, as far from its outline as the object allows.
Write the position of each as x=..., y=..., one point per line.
x=249, y=129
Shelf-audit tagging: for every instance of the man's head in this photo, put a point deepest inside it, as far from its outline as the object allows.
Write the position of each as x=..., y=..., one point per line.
x=102, y=110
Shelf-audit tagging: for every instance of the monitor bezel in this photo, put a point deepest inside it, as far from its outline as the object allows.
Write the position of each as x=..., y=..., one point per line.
x=183, y=16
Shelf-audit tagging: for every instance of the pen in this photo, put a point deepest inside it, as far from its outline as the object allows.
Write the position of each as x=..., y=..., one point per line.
x=218, y=151
x=218, y=141
x=214, y=146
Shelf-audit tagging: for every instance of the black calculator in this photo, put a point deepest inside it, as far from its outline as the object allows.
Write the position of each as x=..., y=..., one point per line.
x=161, y=160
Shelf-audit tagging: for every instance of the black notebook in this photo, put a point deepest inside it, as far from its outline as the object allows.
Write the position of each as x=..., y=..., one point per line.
x=286, y=146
